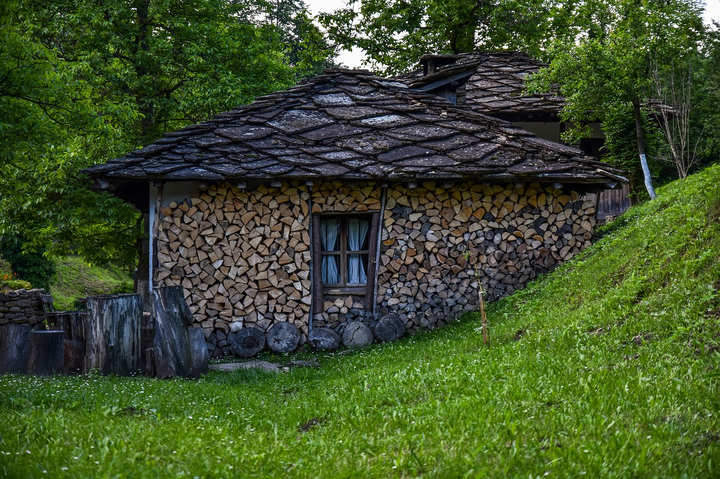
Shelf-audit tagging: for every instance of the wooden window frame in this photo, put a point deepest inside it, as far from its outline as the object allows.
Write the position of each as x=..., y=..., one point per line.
x=367, y=289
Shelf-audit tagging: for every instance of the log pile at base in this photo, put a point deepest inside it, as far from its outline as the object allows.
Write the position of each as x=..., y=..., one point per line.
x=21, y=307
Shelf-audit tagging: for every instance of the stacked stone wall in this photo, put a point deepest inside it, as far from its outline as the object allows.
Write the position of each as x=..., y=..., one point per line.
x=21, y=307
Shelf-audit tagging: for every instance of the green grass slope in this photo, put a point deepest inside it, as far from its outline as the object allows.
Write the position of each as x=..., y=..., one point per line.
x=608, y=367
x=75, y=279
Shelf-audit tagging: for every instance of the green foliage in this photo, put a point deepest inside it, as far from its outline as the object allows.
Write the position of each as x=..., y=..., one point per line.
x=604, y=63
x=607, y=367
x=74, y=279
x=30, y=266
x=83, y=82
x=395, y=33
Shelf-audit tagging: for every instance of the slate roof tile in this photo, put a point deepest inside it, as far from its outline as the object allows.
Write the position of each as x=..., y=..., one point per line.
x=352, y=124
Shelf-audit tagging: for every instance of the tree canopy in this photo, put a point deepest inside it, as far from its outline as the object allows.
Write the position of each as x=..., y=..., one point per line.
x=82, y=82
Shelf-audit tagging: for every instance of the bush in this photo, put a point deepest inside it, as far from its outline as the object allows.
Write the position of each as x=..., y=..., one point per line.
x=31, y=267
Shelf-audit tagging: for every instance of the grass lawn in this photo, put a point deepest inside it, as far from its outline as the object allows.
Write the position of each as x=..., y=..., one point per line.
x=608, y=367
x=74, y=279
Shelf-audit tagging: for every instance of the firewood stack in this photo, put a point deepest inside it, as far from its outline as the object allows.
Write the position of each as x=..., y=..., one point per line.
x=243, y=259
x=437, y=242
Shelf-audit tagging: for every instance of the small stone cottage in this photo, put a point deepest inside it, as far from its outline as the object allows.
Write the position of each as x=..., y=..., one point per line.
x=348, y=197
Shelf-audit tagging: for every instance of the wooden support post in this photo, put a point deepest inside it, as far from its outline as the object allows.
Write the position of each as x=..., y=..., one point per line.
x=172, y=343
x=198, y=351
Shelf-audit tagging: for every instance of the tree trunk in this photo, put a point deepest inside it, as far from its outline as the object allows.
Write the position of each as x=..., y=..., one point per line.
x=14, y=348
x=112, y=333
x=641, y=149
x=46, y=352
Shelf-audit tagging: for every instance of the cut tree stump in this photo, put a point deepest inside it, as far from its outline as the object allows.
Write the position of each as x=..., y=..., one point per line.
x=14, y=348
x=389, y=328
x=248, y=342
x=357, y=335
x=198, y=351
x=112, y=334
x=172, y=343
x=324, y=338
x=46, y=352
x=283, y=337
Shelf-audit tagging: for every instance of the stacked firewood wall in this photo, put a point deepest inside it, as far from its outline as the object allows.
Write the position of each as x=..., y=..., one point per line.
x=242, y=258
x=437, y=243
x=334, y=197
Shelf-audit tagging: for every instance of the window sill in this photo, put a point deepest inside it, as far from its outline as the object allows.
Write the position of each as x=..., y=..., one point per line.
x=336, y=291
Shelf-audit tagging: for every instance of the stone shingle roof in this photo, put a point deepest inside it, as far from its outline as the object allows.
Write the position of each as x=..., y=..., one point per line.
x=350, y=124
x=496, y=87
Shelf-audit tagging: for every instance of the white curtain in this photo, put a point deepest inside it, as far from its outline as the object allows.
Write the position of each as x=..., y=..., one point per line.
x=328, y=236
x=357, y=230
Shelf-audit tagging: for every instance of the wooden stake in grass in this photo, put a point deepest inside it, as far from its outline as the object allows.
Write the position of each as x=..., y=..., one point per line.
x=483, y=316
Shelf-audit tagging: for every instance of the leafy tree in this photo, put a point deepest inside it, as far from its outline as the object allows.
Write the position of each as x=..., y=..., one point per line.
x=395, y=33
x=83, y=81
x=31, y=267
x=607, y=65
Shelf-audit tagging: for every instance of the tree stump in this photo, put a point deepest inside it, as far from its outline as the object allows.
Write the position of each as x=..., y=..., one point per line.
x=357, y=335
x=324, y=338
x=14, y=348
x=283, y=337
x=73, y=356
x=248, y=342
x=198, y=351
x=46, y=352
x=112, y=334
x=172, y=342
x=389, y=328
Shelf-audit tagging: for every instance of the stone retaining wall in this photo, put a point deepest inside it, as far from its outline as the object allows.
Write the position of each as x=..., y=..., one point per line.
x=21, y=307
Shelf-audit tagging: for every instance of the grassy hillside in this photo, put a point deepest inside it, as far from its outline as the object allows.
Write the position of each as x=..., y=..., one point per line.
x=608, y=367
x=74, y=279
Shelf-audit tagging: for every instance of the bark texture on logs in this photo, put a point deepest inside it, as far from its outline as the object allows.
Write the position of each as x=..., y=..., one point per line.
x=112, y=334
x=73, y=323
x=283, y=337
x=324, y=338
x=198, y=352
x=389, y=328
x=46, y=352
x=248, y=342
x=14, y=348
x=172, y=343
x=357, y=335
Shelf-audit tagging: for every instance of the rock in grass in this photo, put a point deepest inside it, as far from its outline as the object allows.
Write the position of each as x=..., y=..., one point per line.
x=324, y=338
x=389, y=328
x=357, y=335
x=248, y=342
x=283, y=337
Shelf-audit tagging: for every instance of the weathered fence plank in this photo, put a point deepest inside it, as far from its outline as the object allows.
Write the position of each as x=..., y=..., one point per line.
x=198, y=351
x=112, y=334
x=46, y=352
x=14, y=348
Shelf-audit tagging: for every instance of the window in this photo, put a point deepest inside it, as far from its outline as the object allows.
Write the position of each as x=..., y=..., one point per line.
x=344, y=251
x=344, y=248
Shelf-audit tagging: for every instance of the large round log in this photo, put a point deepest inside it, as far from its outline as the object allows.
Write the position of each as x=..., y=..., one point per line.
x=74, y=355
x=198, y=351
x=283, y=337
x=14, y=348
x=357, y=335
x=389, y=328
x=324, y=338
x=46, y=352
x=248, y=342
